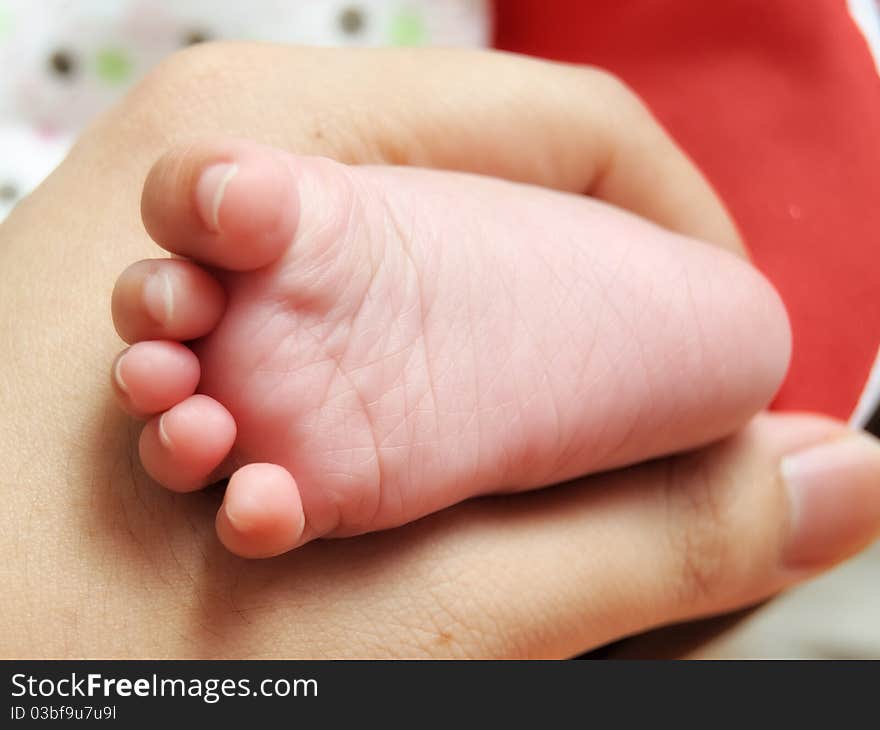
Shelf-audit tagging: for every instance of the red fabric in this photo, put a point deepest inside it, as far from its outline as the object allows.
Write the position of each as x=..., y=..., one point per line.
x=778, y=102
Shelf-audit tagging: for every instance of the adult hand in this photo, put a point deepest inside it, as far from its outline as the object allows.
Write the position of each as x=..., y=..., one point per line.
x=100, y=562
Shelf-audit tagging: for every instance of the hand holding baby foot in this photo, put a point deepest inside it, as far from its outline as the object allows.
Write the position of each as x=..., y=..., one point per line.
x=538, y=576
x=399, y=340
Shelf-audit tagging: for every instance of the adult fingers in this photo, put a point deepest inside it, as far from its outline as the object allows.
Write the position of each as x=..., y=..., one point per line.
x=576, y=567
x=572, y=128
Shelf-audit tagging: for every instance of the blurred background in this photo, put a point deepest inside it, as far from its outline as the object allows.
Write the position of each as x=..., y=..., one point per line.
x=64, y=61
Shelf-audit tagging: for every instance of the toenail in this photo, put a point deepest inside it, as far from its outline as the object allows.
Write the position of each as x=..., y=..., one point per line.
x=163, y=434
x=237, y=514
x=117, y=374
x=159, y=297
x=209, y=193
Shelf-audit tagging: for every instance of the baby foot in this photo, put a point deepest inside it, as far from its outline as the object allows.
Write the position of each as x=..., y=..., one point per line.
x=399, y=340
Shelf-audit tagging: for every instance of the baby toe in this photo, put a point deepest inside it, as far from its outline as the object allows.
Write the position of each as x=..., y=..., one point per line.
x=166, y=299
x=151, y=377
x=231, y=204
x=183, y=448
x=262, y=514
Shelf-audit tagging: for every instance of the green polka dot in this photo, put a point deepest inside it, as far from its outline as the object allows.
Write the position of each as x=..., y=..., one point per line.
x=5, y=21
x=407, y=29
x=113, y=65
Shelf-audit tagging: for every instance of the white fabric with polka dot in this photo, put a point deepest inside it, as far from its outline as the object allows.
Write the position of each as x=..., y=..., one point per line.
x=64, y=62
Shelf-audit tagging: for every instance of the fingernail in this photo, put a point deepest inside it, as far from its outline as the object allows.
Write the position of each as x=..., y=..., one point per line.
x=158, y=296
x=117, y=373
x=209, y=192
x=834, y=490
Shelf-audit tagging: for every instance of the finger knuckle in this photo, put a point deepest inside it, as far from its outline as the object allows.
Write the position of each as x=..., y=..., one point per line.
x=616, y=92
x=172, y=91
x=188, y=68
x=700, y=530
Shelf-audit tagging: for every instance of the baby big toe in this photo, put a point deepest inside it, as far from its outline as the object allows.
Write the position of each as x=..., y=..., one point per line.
x=231, y=204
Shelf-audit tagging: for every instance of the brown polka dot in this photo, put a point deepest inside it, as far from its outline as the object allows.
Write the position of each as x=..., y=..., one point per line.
x=8, y=192
x=352, y=20
x=192, y=37
x=62, y=63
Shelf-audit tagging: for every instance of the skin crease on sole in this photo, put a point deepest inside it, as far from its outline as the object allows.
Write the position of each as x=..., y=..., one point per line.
x=380, y=343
